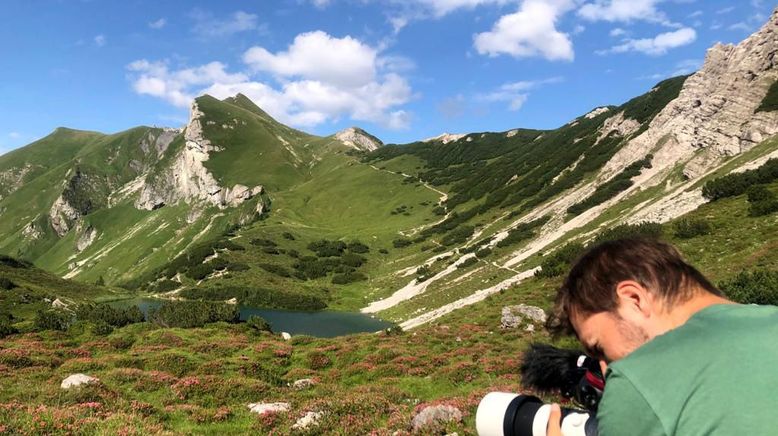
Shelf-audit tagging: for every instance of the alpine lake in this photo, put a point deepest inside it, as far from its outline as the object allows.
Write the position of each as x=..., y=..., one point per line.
x=322, y=324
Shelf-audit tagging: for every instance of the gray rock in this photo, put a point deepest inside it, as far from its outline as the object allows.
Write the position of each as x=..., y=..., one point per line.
x=513, y=316
x=261, y=408
x=304, y=384
x=77, y=380
x=433, y=415
x=286, y=336
x=309, y=420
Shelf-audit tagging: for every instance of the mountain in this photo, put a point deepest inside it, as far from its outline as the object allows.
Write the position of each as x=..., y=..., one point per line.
x=359, y=139
x=448, y=237
x=153, y=208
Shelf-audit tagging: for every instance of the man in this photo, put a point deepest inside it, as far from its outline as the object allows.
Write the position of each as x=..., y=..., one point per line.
x=682, y=359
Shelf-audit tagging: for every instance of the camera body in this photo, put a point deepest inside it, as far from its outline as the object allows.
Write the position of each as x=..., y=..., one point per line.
x=573, y=375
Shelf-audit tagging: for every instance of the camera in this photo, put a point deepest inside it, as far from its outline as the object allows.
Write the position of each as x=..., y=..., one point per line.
x=570, y=373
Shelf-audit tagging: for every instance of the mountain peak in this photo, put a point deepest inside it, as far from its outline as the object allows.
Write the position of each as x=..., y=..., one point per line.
x=359, y=139
x=445, y=138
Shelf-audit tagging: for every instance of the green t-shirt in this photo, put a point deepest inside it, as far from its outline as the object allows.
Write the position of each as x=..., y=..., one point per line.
x=715, y=375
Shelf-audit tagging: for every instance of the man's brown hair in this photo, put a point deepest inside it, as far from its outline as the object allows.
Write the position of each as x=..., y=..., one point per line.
x=590, y=287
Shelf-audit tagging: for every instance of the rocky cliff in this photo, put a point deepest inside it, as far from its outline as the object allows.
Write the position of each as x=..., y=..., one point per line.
x=359, y=139
x=188, y=179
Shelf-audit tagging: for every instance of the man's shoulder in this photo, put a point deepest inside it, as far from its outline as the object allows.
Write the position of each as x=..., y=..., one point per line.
x=704, y=333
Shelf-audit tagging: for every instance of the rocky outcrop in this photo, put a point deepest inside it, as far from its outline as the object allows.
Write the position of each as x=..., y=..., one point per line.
x=617, y=124
x=85, y=238
x=31, y=231
x=596, y=112
x=188, y=179
x=359, y=139
x=82, y=195
x=63, y=216
x=445, y=138
x=714, y=115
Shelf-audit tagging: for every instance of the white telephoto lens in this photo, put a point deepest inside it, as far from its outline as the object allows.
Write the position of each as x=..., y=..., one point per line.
x=490, y=415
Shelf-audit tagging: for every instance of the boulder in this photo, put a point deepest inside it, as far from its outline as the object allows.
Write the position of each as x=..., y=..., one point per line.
x=261, y=408
x=513, y=316
x=59, y=304
x=286, y=336
x=433, y=415
x=304, y=384
x=77, y=380
x=309, y=420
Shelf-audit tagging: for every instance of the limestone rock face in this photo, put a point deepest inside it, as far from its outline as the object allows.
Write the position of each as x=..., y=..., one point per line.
x=31, y=231
x=62, y=216
x=714, y=115
x=359, y=139
x=76, y=380
x=188, y=179
x=446, y=138
x=86, y=237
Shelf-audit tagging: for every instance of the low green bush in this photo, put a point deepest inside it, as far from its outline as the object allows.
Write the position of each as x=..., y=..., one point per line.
x=687, y=228
x=642, y=230
x=189, y=314
x=6, y=329
x=52, y=319
x=470, y=261
x=6, y=284
x=14, y=263
x=103, y=313
x=483, y=252
x=349, y=277
x=753, y=287
x=275, y=269
x=358, y=247
x=257, y=297
x=258, y=323
x=402, y=242
x=558, y=262
x=262, y=242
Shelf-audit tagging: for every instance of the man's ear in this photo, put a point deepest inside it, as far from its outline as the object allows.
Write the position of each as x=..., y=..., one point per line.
x=633, y=297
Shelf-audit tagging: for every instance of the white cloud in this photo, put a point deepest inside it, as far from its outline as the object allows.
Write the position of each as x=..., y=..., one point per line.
x=100, y=40
x=14, y=135
x=726, y=10
x=208, y=26
x=696, y=14
x=657, y=45
x=623, y=11
x=175, y=87
x=158, y=24
x=318, y=56
x=516, y=93
x=618, y=32
x=319, y=79
x=321, y=4
x=531, y=31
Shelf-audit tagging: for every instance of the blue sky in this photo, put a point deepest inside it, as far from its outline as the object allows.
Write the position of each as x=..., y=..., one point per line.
x=402, y=69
